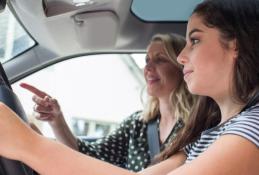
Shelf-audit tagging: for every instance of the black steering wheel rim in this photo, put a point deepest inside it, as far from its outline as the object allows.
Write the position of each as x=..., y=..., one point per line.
x=8, y=97
x=2, y=5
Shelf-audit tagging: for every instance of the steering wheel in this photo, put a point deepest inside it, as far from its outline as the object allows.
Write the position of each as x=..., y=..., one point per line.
x=2, y=5
x=7, y=166
x=8, y=97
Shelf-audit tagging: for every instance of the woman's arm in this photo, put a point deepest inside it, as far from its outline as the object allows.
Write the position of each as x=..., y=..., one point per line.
x=48, y=109
x=76, y=163
x=230, y=154
x=20, y=142
x=52, y=158
x=166, y=166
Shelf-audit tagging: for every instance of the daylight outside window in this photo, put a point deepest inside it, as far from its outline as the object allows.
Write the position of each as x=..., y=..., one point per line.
x=13, y=38
x=95, y=92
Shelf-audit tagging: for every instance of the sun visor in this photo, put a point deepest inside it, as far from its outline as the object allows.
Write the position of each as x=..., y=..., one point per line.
x=96, y=30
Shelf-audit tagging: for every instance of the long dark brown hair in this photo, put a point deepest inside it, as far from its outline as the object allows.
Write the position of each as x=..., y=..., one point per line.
x=236, y=20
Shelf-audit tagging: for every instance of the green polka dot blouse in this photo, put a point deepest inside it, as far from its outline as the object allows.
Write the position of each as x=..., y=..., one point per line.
x=127, y=146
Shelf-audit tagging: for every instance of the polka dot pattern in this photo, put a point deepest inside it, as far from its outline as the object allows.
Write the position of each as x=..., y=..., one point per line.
x=127, y=146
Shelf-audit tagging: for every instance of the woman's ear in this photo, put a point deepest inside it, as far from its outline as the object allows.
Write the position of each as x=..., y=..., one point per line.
x=233, y=48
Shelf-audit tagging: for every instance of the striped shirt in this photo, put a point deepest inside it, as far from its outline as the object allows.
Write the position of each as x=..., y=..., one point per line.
x=245, y=124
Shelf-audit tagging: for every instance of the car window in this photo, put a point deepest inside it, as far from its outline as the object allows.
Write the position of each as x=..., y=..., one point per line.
x=13, y=38
x=95, y=92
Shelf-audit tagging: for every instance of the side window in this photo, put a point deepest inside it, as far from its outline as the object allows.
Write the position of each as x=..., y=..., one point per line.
x=95, y=92
x=14, y=40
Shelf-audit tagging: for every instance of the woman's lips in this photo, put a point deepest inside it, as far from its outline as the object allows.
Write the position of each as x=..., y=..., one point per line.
x=187, y=73
x=152, y=80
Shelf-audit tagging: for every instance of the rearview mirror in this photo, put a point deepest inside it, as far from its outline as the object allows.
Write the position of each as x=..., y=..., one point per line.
x=2, y=5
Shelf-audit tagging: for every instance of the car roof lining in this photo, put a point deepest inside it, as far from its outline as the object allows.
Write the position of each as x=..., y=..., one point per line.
x=60, y=32
x=62, y=35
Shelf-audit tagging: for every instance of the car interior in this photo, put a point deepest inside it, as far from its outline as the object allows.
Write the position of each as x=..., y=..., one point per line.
x=93, y=51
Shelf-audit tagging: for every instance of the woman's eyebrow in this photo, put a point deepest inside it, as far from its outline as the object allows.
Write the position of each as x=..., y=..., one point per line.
x=160, y=54
x=193, y=31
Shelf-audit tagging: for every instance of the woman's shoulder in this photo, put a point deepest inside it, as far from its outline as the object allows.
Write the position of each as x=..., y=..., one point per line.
x=253, y=110
x=246, y=125
x=134, y=118
x=249, y=116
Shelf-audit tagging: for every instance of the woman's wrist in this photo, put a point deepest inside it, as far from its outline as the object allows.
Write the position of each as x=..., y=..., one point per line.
x=58, y=121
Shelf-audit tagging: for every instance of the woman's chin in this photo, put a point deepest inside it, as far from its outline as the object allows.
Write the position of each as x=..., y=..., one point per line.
x=193, y=89
x=153, y=92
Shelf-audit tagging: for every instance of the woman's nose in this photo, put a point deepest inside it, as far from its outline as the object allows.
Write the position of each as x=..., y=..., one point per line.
x=182, y=57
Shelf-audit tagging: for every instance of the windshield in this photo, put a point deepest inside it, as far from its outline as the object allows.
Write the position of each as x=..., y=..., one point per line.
x=166, y=10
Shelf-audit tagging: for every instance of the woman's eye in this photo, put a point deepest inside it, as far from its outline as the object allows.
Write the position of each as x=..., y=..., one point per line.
x=147, y=60
x=156, y=60
x=160, y=60
x=194, y=41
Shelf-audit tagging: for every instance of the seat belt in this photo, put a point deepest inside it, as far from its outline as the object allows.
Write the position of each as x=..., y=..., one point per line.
x=153, y=139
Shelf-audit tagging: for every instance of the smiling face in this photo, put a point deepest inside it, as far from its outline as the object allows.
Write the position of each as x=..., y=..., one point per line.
x=161, y=75
x=208, y=64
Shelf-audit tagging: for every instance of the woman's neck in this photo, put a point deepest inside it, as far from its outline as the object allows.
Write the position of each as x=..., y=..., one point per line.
x=166, y=110
x=167, y=120
x=228, y=108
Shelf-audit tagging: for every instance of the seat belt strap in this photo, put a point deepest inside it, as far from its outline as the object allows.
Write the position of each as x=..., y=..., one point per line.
x=153, y=139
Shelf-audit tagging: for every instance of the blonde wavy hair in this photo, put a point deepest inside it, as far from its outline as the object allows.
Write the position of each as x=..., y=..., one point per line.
x=180, y=98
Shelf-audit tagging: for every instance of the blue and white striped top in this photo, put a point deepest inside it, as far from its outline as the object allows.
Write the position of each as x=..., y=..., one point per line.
x=245, y=124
